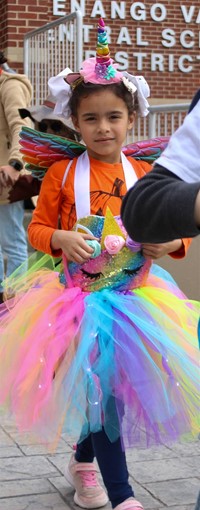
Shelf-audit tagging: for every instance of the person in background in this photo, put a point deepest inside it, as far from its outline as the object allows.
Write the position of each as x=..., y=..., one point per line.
x=15, y=93
x=170, y=193
x=46, y=121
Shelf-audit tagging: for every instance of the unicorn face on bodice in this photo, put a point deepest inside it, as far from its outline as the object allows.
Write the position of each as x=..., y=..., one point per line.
x=117, y=262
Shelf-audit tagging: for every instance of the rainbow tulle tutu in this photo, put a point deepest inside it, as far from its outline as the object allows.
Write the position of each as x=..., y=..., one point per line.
x=76, y=356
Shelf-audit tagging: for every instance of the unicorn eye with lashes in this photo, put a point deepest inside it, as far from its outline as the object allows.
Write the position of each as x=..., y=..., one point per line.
x=132, y=271
x=93, y=276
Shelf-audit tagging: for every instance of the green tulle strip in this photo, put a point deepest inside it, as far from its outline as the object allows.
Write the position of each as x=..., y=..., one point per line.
x=20, y=279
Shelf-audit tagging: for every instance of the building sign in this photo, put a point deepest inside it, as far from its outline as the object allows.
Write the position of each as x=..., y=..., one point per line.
x=141, y=12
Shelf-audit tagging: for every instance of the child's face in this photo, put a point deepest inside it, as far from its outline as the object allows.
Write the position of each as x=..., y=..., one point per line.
x=103, y=121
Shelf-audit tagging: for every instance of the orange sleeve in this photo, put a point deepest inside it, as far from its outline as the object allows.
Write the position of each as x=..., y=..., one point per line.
x=141, y=167
x=45, y=217
x=181, y=253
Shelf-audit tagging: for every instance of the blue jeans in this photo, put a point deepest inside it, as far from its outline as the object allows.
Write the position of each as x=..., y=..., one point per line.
x=13, y=244
x=197, y=507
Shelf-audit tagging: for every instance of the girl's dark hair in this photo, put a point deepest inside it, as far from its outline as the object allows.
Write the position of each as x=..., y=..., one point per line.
x=3, y=59
x=83, y=90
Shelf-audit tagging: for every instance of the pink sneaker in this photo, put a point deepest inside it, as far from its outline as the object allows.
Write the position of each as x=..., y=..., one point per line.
x=83, y=477
x=129, y=504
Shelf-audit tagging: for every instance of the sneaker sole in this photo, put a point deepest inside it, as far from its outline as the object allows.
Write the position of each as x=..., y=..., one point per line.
x=93, y=505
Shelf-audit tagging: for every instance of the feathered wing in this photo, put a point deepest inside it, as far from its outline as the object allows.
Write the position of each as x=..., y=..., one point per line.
x=41, y=150
x=146, y=150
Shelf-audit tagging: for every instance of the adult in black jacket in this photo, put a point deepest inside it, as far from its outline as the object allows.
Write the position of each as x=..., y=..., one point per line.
x=165, y=204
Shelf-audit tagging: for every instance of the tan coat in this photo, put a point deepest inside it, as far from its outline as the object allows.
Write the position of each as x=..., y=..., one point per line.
x=15, y=92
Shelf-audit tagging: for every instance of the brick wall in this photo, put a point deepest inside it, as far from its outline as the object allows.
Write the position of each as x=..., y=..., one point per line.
x=17, y=17
x=3, y=26
x=159, y=40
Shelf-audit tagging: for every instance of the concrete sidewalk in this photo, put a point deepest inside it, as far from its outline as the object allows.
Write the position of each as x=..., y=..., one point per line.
x=32, y=479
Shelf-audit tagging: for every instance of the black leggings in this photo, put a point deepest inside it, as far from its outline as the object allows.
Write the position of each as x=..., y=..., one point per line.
x=112, y=464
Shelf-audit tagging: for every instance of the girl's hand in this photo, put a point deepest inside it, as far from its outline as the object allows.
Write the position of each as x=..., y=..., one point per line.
x=156, y=251
x=73, y=245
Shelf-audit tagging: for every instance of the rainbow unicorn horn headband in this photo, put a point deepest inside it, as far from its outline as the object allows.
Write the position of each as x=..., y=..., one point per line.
x=100, y=70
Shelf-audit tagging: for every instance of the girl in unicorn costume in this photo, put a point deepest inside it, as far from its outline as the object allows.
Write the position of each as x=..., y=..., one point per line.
x=107, y=347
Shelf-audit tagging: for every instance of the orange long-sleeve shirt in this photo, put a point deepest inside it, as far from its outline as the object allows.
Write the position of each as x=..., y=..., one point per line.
x=107, y=188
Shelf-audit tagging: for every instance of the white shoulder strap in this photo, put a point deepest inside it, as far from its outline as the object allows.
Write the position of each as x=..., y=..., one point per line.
x=82, y=181
x=82, y=186
x=129, y=172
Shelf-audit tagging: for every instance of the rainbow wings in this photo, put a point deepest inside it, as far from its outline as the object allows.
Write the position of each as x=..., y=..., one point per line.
x=41, y=150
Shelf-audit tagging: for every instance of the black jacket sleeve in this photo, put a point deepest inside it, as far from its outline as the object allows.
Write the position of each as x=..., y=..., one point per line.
x=160, y=208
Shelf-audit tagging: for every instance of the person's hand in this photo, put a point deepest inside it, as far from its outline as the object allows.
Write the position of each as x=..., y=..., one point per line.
x=156, y=251
x=197, y=210
x=8, y=175
x=73, y=244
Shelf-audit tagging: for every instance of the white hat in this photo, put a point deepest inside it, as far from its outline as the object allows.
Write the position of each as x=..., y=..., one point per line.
x=45, y=111
x=48, y=109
